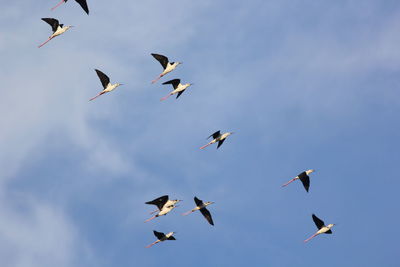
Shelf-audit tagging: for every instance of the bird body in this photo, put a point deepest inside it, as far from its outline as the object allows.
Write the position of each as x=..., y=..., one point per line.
x=57, y=28
x=162, y=237
x=105, y=81
x=82, y=3
x=168, y=66
x=178, y=88
x=217, y=137
x=303, y=177
x=164, y=205
x=200, y=205
x=322, y=228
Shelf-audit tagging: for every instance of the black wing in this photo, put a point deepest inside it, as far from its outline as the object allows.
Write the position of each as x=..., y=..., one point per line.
x=52, y=22
x=206, y=213
x=179, y=93
x=174, y=82
x=162, y=59
x=328, y=232
x=318, y=222
x=103, y=78
x=198, y=202
x=84, y=5
x=305, y=179
x=171, y=238
x=159, y=202
x=215, y=135
x=159, y=235
x=220, y=142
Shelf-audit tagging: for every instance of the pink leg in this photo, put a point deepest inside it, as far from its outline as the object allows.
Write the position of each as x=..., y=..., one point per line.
x=311, y=237
x=45, y=42
x=187, y=213
x=294, y=179
x=93, y=98
x=156, y=79
x=165, y=97
x=150, y=219
x=154, y=211
x=62, y=1
x=152, y=244
x=205, y=146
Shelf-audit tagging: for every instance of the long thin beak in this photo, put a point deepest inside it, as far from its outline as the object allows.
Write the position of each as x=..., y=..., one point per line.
x=121, y=84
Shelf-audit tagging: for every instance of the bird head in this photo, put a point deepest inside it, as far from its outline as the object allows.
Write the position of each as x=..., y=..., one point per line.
x=178, y=63
x=68, y=27
x=119, y=84
x=331, y=225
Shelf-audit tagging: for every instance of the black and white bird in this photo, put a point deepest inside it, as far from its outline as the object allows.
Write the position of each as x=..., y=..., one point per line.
x=168, y=66
x=105, y=81
x=303, y=177
x=82, y=3
x=164, y=206
x=200, y=205
x=57, y=28
x=322, y=229
x=162, y=237
x=217, y=137
x=178, y=88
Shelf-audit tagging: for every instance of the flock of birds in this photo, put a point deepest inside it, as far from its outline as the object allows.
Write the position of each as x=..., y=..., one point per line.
x=164, y=204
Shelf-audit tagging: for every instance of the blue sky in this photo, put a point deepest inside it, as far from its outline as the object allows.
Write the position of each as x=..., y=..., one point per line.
x=304, y=84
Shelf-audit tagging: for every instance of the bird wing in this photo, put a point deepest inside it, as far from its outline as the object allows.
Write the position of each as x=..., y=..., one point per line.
x=171, y=238
x=179, y=93
x=159, y=202
x=162, y=59
x=215, y=135
x=52, y=22
x=220, y=142
x=318, y=222
x=174, y=82
x=305, y=179
x=328, y=232
x=206, y=213
x=84, y=5
x=103, y=78
x=159, y=235
x=198, y=202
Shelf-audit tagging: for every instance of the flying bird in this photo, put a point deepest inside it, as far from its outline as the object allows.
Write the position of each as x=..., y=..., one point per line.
x=322, y=229
x=162, y=237
x=217, y=137
x=178, y=88
x=164, y=206
x=105, y=81
x=303, y=177
x=57, y=28
x=200, y=205
x=168, y=66
x=82, y=3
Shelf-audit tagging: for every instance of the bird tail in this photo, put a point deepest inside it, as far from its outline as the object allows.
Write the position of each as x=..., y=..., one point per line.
x=294, y=179
x=311, y=237
x=205, y=146
x=45, y=42
x=150, y=219
x=165, y=97
x=62, y=1
x=93, y=98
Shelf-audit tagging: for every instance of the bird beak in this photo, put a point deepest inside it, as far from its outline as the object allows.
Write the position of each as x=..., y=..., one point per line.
x=121, y=84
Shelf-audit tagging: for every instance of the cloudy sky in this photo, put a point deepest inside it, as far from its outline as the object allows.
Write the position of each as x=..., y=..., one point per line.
x=304, y=84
